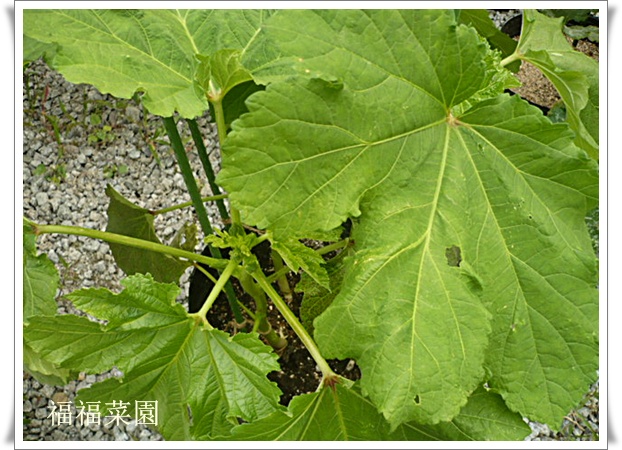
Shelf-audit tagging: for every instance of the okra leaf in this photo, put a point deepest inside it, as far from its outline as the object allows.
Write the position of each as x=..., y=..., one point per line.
x=327, y=415
x=344, y=414
x=203, y=379
x=574, y=75
x=316, y=298
x=151, y=51
x=127, y=219
x=40, y=279
x=298, y=256
x=484, y=418
x=497, y=181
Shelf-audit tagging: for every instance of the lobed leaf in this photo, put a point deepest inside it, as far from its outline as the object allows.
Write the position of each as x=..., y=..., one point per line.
x=164, y=355
x=298, y=256
x=151, y=51
x=496, y=180
x=344, y=414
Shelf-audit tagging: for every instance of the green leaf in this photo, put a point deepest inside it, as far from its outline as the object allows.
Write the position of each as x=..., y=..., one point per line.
x=219, y=73
x=153, y=51
x=164, y=355
x=484, y=418
x=44, y=371
x=481, y=21
x=574, y=75
x=327, y=415
x=130, y=220
x=499, y=181
x=344, y=414
x=298, y=256
x=316, y=297
x=40, y=279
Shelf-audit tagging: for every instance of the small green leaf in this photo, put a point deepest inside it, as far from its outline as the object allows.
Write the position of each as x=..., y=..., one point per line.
x=130, y=220
x=298, y=256
x=164, y=355
x=40, y=279
x=217, y=74
x=316, y=298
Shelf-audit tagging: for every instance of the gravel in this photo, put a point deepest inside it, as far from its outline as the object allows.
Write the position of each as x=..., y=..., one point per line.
x=68, y=158
x=65, y=176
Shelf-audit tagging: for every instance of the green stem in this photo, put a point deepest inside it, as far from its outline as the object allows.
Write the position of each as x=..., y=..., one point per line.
x=510, y=59
x=220, y=284
x=127, y=240
x=186, y=171
x=207, y=166
x=282, y=281
x=262, y=325
x=195, y=196
x=290, y=317
x=210, y=198
x=222, y=134
x=332, y=247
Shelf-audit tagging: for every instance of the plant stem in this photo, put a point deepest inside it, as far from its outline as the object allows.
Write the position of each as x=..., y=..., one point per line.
x=127, y=240
x=307, y=340
x=277, y=261
x=186, y=171
x=222, y=281
x=333, y=246
x=195, y=196
x=207, y=166
x=510, y=59
x=210, y=198
x=262, y=325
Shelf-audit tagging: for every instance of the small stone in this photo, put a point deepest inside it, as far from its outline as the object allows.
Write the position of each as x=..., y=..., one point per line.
x=134, y=154
x=60, y=397
x=41, y=413
x=47, y=390
x=41, y=198
x=27, y=406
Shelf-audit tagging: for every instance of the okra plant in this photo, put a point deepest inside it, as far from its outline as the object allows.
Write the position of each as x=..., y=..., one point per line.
x=466, y=289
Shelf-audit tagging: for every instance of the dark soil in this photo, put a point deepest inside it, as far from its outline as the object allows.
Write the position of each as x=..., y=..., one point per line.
x=298, y=374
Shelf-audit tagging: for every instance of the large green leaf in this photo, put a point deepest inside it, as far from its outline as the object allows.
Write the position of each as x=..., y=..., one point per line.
x=370, y=133
x=574, y=75
x=153, y=51
x=344, y=414
x=130, y=220
x=164, y=355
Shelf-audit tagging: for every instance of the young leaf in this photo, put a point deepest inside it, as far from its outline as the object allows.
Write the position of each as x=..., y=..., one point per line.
x=500, y=182
x=316, y=297
x=44, y=371
x=481, y=21
x=130, y=220
x=574, y=75
x=298, y=256
x=164, y=355
x=124, y=51
x=219, y=73
x=40, y=279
